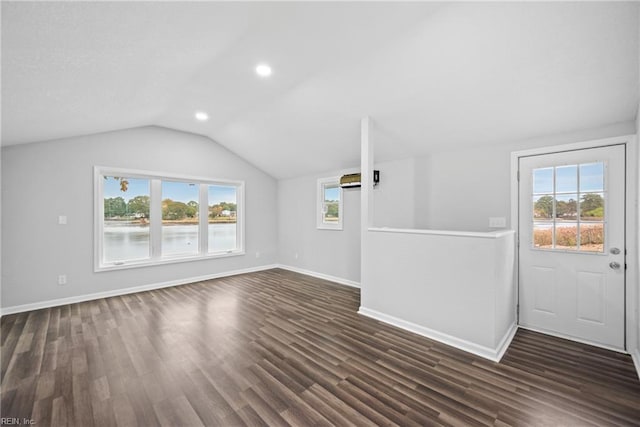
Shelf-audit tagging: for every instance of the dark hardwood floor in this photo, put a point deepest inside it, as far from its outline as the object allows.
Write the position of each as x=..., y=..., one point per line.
x=278, y=348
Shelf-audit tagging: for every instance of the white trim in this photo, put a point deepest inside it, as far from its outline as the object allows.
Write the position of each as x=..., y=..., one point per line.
x=203, y=226
x=126, y=291
x=323, y=276
x=155, y=223
x=139, y=173
x=635, y=356
x=574, y=339
x=98, y=216
x=631, y=232
x=596, y=143
x=482, y=234
x=493, y=354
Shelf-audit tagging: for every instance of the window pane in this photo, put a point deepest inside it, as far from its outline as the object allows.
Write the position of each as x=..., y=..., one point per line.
x=543, y=207
x=543, y=180
x=331, y=209
x=179, y=218
x=223, y=210
x=543, y=235
x=126, y=219
x=592, y=177
x=567, y=179
x=566, y=210
x=567, y=236
x=592, y=207
x=592, y=237
x=567, y=207
x=331, y=213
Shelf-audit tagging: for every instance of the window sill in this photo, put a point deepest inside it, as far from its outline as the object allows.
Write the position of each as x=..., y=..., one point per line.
x=163, y=261
x=328, y=227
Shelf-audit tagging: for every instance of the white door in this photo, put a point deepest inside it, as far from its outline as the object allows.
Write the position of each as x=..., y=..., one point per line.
x=572, y=251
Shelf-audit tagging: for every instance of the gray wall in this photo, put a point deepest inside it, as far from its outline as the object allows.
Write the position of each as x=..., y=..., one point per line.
x=43, y=180
x=461, y=189
x=337, y=252
x=331, y=252
x=394, y=197
x=637, y=313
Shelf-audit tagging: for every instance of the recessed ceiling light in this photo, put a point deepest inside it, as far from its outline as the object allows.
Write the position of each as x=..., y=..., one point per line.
x=263, y=70
x=202, y=116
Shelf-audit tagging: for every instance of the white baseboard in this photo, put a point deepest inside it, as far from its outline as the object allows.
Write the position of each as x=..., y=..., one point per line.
x=570, y=338
x=505, y=342
x=340, y=280
x=117, y=292
x=493, y=354
x=635, y=355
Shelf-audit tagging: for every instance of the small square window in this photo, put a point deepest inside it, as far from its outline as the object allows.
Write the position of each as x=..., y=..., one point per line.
x=330, y=204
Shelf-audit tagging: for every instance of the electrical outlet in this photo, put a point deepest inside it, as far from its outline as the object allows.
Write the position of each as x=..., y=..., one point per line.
x=295, y=255
x=62, y=279
x=497, y=222
x=257, y=254
x=62, y=220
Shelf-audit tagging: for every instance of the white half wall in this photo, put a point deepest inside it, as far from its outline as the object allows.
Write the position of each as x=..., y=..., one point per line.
x=453, y=287
x=41, y=181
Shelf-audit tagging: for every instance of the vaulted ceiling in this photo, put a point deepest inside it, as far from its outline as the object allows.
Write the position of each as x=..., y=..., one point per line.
x=433, y=76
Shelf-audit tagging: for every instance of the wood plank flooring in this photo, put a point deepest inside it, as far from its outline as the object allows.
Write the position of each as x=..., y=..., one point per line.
x=279, y=348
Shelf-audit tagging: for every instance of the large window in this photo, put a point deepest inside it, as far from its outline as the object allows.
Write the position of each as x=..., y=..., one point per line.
x=145, y=218
x=330, y=204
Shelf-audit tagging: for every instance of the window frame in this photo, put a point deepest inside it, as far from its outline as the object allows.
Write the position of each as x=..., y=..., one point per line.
x=155, y=220
x=579, y=221
x=321, y=185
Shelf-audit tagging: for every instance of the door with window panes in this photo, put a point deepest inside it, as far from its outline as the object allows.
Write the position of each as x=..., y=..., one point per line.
x=571, y=253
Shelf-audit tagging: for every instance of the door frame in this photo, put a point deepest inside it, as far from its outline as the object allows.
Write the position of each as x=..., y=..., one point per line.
x=632, y=216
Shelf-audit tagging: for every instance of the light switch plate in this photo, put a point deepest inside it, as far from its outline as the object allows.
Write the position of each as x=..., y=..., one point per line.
x=62, y=220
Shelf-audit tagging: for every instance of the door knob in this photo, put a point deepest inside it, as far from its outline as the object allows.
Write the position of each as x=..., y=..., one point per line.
x=614, y=265
x=614, y=251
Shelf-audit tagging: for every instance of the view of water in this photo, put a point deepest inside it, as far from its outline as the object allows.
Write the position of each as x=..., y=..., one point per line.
x=124, y=240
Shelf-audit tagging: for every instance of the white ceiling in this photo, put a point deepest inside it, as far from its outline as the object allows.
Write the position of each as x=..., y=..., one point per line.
x=433, y=76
